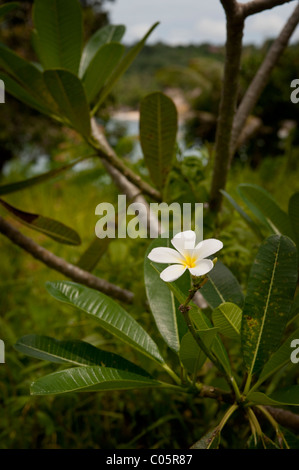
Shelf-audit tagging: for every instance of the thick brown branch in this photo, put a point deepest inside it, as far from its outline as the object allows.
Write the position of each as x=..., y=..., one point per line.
x=261, y=78
x=62, y=266
x=284, y=417
x=256, y=6
x=231, y=7
x=235, y=26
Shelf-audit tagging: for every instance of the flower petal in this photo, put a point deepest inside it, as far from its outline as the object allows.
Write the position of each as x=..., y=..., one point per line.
x=208, y=247
x=184, y=241
x=202, y=267
x=165, y=255
x=172, y=273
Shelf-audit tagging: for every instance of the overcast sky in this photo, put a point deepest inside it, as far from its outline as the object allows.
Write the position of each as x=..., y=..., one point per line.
x=192, y=21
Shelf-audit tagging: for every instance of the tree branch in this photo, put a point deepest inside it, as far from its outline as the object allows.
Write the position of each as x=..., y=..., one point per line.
x=228, y=102
x=122, y=182
x=256, y=6
x=284, y=417
x=262, y=76
x=59, y=264
x=231, y=7
x=107, y=153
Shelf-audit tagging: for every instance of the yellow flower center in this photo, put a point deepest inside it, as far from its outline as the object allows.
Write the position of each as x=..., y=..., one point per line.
x=190, y=261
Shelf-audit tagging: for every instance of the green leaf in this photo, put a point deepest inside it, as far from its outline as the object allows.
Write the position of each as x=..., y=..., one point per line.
x=266, y=209
x=161, y=300
x=94, y=252
x=158, y=129
x=270, y=292
x=294, y=216
x=17, y=91
x=284, y=397
x=100, y=69
x=227, y=317
x=75, y=352
x=68, y=92
x=29, y=77
x=210, y=440
x=19, y=185
x=191, y=356
x=279, y=359
x=121, y=68
x=202, y=322
x=295, y=307
x=49, y=227
x=109, y=314
x=4, y=9
x=105, y=35
x=59, y=33
x=90, y=379
x=254, y=227
x=222, y=287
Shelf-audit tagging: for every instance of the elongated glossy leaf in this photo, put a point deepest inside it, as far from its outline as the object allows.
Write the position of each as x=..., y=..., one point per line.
x=295, y=307
x=59, y=33
x=243, y=214
x=17, y=91
x=280, y=358
x=161, y=300
x=191, y=356
x=288, y=396
x=49, y=227
x=270, y=292
x=121, y=68
x=294, y=216
x=19, y=185
x=222, y=287
x=210, y=440
x=92, y=255
x=4, y=9
x=68, y=92
x=29, y=77
x=202, y=322
x=90, y=379
x=227, y=317
x=158, y=129
x=109, y=314
x=266, y=209
x=75, y=352
x=100, y=68
x=105, y=35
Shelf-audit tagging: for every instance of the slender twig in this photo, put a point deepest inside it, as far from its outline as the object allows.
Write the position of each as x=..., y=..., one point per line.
x=127, y=187
x=105, y=152
x=59, y=264
x=262, y=76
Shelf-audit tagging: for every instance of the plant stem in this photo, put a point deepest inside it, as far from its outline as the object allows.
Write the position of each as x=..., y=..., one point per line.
x=247, y=384
x=226, y=416
x=172, y=374
x=255, y=424
x=274, y=423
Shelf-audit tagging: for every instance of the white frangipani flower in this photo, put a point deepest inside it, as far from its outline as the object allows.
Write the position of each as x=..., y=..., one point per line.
x=186, y=255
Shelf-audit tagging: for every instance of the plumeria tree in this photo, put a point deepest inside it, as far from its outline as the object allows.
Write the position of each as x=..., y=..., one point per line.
x=242, y=334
